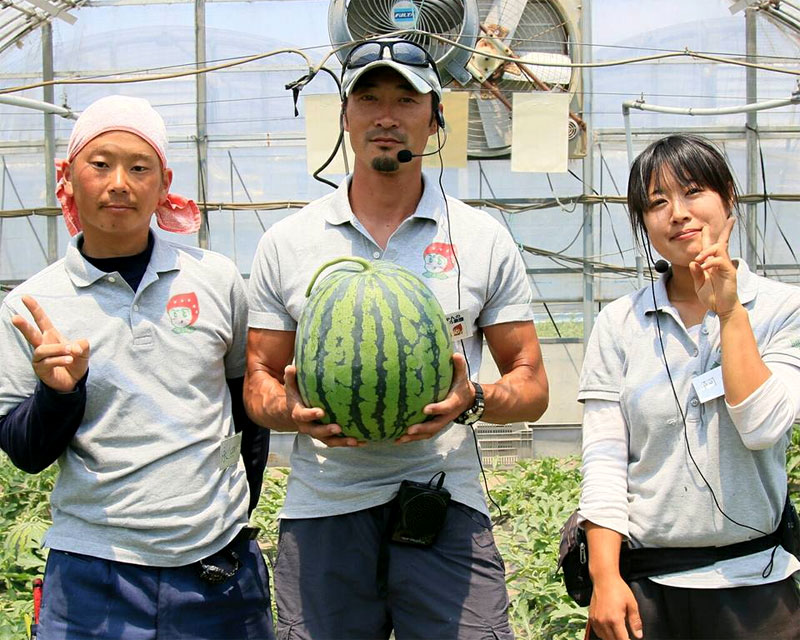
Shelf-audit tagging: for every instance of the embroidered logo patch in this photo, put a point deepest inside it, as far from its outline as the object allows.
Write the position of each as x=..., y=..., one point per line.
x=796, y=343
x=183, y=311
x=439, y=260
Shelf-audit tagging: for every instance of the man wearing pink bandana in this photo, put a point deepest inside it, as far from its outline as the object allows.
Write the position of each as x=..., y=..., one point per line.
x=124, y=362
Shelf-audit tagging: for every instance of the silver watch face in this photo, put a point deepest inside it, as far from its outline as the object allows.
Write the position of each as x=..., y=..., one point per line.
x=474, y=413
x=472, y=418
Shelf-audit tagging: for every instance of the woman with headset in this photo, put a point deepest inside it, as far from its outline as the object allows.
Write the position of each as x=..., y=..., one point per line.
x=691, y=387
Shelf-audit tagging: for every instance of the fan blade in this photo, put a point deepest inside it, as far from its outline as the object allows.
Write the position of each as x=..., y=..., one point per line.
x=505, y=14
x=548, y=75
x=496, y=120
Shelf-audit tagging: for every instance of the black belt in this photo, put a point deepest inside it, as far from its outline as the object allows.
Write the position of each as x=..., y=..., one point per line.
x=223, y=565
x=646, y=562
x=650, y=561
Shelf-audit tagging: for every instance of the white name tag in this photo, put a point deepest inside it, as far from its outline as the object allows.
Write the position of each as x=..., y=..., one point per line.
x=229, y=450
x=709, y=385
x=460, y=324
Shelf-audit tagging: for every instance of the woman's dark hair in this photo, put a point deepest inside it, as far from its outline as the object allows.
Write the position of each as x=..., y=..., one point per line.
x=691, y=159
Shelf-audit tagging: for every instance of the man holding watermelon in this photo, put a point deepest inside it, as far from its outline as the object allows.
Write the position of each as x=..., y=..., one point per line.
x=343, y=572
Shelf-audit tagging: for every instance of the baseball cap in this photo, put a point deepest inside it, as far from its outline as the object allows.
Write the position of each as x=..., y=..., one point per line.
x=407, y=58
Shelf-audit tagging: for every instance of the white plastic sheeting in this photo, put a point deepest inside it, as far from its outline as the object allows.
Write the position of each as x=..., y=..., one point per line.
x=256, y=147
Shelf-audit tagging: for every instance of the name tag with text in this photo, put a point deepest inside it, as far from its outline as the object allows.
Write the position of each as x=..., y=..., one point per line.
x=229, y=450
x=709, y=385
x=460, y=324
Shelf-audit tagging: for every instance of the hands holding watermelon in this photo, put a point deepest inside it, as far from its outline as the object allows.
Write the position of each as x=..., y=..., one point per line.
x=307, y=418
x=440, y=414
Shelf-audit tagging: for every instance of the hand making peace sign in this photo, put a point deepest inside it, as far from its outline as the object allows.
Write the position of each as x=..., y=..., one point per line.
x=714, y=273
x=58, y=363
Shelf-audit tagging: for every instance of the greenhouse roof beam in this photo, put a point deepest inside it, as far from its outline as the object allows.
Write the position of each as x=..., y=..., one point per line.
x=21, y=17
x=54, y=10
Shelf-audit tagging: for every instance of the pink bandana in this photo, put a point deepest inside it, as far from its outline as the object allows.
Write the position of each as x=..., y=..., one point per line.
x=134, y=115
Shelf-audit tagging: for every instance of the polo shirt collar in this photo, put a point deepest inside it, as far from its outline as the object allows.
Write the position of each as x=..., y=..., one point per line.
x=746, y=287
x=431, y=204
x=83, y=273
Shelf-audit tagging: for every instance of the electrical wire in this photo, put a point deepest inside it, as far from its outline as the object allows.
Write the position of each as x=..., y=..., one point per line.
x=511, y=232
x=604, y=163
x=555, y=197
x=766, y=205
x=603, y=204
x=126, y=79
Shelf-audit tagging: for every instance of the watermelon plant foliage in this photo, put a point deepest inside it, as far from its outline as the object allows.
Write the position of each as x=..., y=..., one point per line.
x=535, y=496
x=372, y=348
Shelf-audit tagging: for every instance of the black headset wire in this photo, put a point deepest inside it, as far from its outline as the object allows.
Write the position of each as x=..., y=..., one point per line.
x=339, y=140
x=648, y=253
x=502, y=516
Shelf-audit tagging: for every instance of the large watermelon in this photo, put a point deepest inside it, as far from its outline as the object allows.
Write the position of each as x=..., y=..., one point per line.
x=372, y=348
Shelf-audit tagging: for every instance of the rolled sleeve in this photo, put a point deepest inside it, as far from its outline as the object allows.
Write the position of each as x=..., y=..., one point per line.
x=767, y=414
x=601, y=375
x=235, y=358
x=783, y=345
x=267, y=306
x=508, y=295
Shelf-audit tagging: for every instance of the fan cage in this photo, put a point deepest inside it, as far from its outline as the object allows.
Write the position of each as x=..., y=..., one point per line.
x=373, y=18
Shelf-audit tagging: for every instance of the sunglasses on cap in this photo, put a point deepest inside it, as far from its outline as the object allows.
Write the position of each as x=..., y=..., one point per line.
x=401, y=51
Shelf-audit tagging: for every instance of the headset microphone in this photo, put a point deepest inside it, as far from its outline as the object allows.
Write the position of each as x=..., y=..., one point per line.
x=661, y=266
x=404, y=155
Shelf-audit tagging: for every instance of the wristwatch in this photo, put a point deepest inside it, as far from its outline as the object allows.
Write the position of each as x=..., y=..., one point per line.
x=474, y=413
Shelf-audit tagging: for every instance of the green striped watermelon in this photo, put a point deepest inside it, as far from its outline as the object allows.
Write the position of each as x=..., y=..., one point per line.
x=372, y=348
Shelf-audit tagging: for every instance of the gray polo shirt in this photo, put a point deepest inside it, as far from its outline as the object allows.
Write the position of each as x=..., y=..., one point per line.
x=494, y=289
x=141, y=481
x=668, y=502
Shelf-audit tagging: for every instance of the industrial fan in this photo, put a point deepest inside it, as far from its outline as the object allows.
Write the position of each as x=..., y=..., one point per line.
x=535, y=31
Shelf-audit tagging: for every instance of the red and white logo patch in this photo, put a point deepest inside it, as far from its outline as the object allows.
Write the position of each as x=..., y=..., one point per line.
x=183, y=310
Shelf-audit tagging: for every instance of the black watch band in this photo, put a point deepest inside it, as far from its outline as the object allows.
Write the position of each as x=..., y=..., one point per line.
x=474, y=413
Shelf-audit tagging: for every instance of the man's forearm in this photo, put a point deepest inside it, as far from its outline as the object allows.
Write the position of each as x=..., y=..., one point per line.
x=519, y=396
x=265, y=401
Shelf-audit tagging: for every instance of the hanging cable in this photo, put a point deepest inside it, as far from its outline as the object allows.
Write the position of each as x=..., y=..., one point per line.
x=123, y=79
x=604, y=205
x=511, y=232
x=767, y=205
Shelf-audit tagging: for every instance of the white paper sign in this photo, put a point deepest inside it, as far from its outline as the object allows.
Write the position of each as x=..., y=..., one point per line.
x=540, y=132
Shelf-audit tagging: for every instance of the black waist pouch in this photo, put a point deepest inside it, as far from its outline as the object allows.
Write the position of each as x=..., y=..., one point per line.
x=789, y=529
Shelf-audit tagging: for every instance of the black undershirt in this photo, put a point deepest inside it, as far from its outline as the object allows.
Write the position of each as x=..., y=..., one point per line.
x=131, y=268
